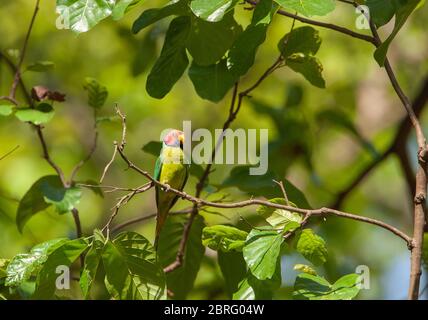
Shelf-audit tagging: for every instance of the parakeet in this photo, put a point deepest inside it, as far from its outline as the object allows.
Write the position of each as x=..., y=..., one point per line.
x=170, y=169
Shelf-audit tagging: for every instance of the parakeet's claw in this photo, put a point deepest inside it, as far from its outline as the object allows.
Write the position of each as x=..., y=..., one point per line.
x=167, y=187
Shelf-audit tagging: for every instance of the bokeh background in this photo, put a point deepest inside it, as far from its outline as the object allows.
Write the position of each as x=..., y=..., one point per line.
x=318, y=157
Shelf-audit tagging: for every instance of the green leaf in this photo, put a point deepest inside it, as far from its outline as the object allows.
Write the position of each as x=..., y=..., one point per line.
x=153, y=148
x=308, y=66
x=173, y=59
x=64, y=199
x=209, y=41
x=180, y=281
x=42, y=113
x=212, y=82
x=261, y=252
x=132, y=270
x=63, y=255
x=123, y=6
x=23, y=265
x=251, y=288
x=6, y=109
x=298, y=49
x=279, y=218
x=212, y=10
x=404, y=10
x=304, y=40
x=82, y=15
x=381, y=11
x=97, y=93
x=311, y=287
x=309, y=7
x=41, y=66
x=233, y=269
x=151, y=16
x=312, y=247
x=224, y=238
x=243, y=52
x=92, y=261
x=44, y=192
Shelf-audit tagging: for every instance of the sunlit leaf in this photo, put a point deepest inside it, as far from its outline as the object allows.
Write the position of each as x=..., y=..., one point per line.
x=23, y=265
x=261, y=252
x=82, y=15
x=312, y=247
x=309, y=7
x=63, y=255
x=224, y=238
x=211, y=10
x=42, y=113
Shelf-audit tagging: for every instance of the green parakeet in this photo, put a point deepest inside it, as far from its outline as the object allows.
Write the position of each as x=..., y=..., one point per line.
x=169, y=170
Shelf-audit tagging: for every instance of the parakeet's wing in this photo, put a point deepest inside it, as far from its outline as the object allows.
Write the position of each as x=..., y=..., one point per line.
x=182, y=186
x=156, y=175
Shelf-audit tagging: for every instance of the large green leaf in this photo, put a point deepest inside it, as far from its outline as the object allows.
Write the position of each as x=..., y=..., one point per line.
x=304, y=40
x=224, y=238
x=63, y=255
x=243, y=52
x=381, y=11
x=262, y=252
x=97, y=93
x=83, y=15
x=173, y=60
x=403, y=11
x=312, y=247
x=209, y=41
x=132, y=270
x=180, y=281
x=212, y=82
x=92, y=261
x=279, y=218
x=312, y=287
x=298, y=48
x=23, y=265
x=46, y=191
x=211, y=10
x=233, y=268
x=42, y=113
x=309, y=7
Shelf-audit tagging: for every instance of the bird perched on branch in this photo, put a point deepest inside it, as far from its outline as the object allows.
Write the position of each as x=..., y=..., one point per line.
x=171, y=170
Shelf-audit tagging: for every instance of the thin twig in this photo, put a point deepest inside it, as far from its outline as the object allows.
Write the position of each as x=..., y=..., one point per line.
x=9, y=152
x=17, y=77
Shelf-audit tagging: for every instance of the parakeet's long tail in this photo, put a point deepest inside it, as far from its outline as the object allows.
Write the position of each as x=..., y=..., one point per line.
x=160, y=221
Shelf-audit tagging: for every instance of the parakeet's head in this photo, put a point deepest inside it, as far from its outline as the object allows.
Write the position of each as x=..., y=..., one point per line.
x=174, y=138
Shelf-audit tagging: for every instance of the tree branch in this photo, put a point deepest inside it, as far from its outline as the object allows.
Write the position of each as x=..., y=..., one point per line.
x=330, y=26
